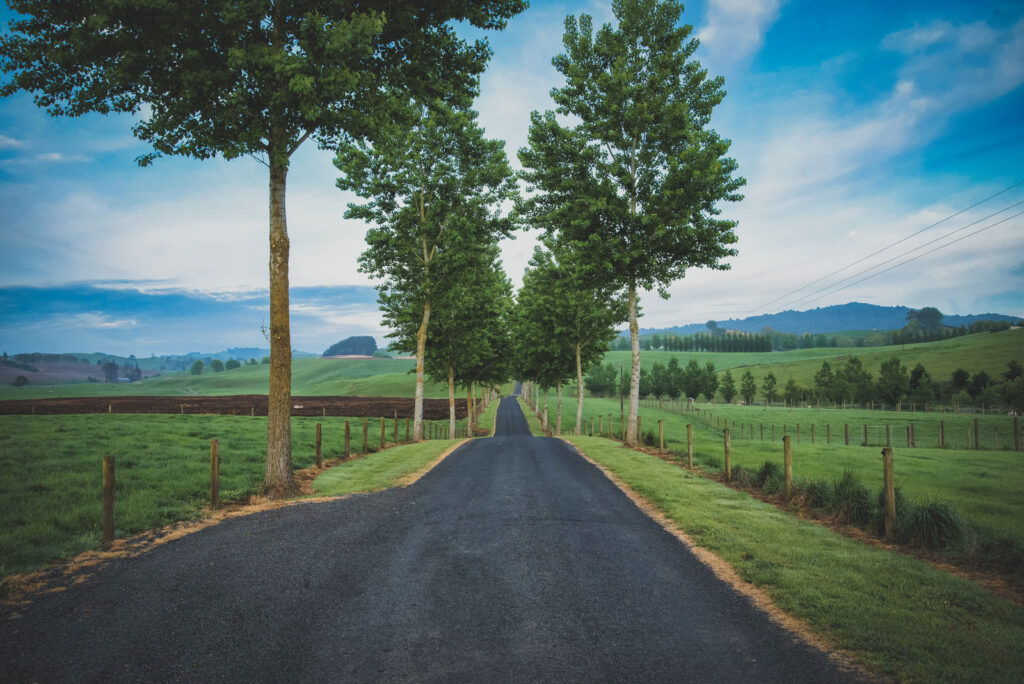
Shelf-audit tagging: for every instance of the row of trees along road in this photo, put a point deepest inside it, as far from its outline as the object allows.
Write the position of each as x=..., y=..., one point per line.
x=433, y=190
x=563, y=321
x=259, y=79
x=631, y=177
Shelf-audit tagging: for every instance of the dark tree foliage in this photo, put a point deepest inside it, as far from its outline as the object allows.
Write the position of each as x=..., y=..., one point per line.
x=361, y=345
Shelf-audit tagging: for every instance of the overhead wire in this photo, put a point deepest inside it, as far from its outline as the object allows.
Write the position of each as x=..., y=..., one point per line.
x=889, y=246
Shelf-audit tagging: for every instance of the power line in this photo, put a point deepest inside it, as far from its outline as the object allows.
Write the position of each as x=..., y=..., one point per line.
x=914, y=258
x=903, y=254
x=854, y=263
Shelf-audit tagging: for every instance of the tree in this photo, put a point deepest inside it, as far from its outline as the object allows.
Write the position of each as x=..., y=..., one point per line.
x=978, y=384
x=1013, y=371
x=857, y=383
x=709, y=381
x=197, y=367
x=748, y=388
x=232, y=364
x=673, y=379
x=20, y=381
x=768, y=388
x=359, y=345
x=792, y=392
x=638, y=181
x=921, y=388
x=601, y=380
x=892, y=381
x=110, y=371
x=824, y=381
x=256, y=79
x=692, y=379
x=728, y=387
x=432, y=188
x=217, y=366
x=959, y=380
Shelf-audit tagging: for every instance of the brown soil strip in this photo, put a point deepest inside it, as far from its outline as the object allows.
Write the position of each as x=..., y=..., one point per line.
x=727, y=574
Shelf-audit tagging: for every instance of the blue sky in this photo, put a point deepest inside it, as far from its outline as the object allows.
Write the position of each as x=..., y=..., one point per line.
x=855, y=124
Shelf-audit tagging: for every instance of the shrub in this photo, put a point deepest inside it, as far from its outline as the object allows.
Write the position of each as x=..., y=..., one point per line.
x=650, y=438
x=933, y=525
x=775, y=484
x=851, y=502
x=819, y=494
x=769, y=469
x=742, y=476
x=902, y=508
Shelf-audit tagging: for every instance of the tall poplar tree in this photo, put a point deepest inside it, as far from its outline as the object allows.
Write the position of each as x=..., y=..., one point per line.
x=637, y=182
x=259, y=78
x=433, y=188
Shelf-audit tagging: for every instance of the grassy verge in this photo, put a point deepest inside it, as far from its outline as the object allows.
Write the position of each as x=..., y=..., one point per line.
x=485, y=421
x=531, y=419
x=51, y=477
x=898, y=615
x=381, y=470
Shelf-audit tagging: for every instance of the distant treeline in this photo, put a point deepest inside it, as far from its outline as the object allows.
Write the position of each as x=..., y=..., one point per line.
x=770, y=340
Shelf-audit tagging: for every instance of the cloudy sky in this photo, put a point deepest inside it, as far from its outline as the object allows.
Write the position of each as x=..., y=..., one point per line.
x=882, y=143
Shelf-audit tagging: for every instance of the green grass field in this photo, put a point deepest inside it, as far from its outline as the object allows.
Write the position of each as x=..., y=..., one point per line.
x=52, y=478
x=897, y=614
x=989, y=352
x=314, y=377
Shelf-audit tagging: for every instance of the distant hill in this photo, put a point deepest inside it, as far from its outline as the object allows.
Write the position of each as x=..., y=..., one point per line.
x=360, y=345
x=829, y=319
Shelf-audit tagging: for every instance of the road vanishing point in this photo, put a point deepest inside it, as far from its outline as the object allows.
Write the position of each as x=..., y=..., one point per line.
x=513, y=560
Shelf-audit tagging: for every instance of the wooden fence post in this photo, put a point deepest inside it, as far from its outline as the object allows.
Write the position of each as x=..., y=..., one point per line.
x=728, y=457
x=600, y=426
x=406, y=429
x=108, y=500
x=689, y=445
x=366, y=434
x=908, y=435
x=889, y=489
x=812, y=433
x=348, y=439
x=828, y=433
x=661, y=437
x=214, y=473
x=1016, y=435
x=995, y=438
x=977, y=441
x=788, y=461
x=865, y=435
x=846, y=433
x=798, y=433
x=942, y=434
x=762, y=432
x=383, y=433
x=319, y=463
x=395, y=440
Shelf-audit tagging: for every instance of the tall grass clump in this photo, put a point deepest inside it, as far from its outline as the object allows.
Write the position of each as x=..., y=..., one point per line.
x=934, y=525
x=851, y=501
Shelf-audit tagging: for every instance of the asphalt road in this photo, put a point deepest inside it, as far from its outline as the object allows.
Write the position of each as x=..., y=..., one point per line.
x=513, y=560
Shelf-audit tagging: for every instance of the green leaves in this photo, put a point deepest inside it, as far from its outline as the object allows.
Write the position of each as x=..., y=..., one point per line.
x=639, y=179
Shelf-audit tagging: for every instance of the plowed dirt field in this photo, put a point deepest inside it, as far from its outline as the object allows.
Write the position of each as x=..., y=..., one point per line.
x=236, y=405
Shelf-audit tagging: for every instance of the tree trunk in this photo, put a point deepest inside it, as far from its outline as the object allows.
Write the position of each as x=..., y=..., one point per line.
x=279, y=481
x=579, y=390
x=469, y=407
x=558, y=420
x=634, y=378
x=451, y=399
x=421, y=350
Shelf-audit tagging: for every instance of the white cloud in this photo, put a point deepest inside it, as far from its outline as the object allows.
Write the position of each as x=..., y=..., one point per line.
x=57, y=157
x=8, y=143
x=90, y=320
x=735, y=29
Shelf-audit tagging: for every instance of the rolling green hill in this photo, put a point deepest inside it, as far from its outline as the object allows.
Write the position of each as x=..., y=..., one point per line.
x=990, y=352
x=317, y=377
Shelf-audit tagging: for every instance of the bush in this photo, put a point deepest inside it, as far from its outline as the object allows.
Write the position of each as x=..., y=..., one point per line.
x=768, y=471
x=902, y=508
x=851, y=502
x=20, y=381
x=933, y=525
x=742, y=476
x=232, y=364
x=650, y=438
x=819, y=494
